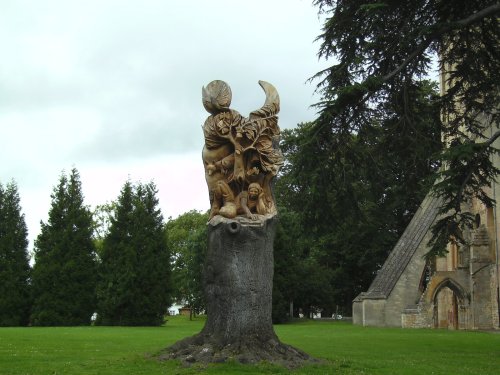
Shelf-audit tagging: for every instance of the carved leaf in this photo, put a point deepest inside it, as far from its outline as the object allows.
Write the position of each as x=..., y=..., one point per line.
x=264, y=144
x=250, y=131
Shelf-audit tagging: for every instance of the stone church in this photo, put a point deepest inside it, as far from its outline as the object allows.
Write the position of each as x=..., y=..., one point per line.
x=459, y=291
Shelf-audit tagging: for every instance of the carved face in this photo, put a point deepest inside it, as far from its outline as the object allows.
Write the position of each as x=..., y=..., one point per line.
x=253, y=192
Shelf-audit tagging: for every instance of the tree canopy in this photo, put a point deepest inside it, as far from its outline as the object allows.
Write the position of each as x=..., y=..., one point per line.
x=346, y=207
x=187, y=240
x=299, y=279
x=380, y=48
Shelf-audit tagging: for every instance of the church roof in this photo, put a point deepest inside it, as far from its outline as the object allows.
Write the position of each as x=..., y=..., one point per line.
x=404, y=249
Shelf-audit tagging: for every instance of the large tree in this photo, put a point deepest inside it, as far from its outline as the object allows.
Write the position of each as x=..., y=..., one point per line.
x=353, y=201
x=381, y=47
x=14, y=260
x=134, y=285
x=64, y=274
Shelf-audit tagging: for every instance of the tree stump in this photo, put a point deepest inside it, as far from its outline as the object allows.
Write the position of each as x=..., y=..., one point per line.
x=238, y=282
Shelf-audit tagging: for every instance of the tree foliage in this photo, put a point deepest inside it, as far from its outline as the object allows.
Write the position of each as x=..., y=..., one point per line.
x=102, y=215
x=382, y=47
x=64, y=274
x=15, y=299
x=134, y=274
x=346, y=207
x=299, y=279
x=187, y=239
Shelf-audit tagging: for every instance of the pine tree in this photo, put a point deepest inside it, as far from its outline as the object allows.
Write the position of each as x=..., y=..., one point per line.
x=14, y=260
x=64, y=274
x=134, y=286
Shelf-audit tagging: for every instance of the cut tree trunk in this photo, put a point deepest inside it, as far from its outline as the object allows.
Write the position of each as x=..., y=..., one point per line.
x=238, y=283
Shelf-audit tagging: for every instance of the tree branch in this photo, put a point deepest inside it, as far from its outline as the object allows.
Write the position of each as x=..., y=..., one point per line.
x=483, y=13
x=492, y=139
x=489, y=11
x=458, y=199
x=459, y=196
x=421, y=48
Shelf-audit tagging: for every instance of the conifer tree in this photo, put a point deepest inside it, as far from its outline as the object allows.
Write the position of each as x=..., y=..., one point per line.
x=153, y=257
x=379, y=48
x=14, y=260
x=134, y=287
x=117, y=264
x=64, y=274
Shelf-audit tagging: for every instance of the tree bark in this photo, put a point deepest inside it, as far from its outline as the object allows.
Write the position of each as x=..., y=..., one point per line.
x=238, y=282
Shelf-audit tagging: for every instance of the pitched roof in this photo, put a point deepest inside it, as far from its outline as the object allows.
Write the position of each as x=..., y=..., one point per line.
x=405, y=248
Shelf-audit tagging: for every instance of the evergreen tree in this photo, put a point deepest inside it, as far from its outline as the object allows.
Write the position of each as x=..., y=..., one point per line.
x=15, y=300
x=153, y=283
x=117, y=263
x=64, y=274
x=134, y=286
x=382, y=47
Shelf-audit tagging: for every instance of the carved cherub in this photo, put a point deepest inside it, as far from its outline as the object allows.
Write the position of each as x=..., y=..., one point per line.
x=253, y=202
x=222, y=201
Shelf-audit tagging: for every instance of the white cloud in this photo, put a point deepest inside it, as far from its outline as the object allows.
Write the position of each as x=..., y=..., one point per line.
x=114, y=88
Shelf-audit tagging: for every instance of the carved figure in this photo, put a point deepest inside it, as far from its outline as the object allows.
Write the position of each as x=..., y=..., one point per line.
x=253, y=201
x=241, y=154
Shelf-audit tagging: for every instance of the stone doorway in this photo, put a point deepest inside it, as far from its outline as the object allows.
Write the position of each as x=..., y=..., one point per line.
x=449, y=303
x=446, y=309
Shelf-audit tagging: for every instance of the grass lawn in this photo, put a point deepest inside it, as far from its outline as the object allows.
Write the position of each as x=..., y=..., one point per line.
x=347, y=349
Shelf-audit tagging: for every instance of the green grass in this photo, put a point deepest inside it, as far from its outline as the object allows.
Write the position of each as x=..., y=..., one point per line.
x=347, y=349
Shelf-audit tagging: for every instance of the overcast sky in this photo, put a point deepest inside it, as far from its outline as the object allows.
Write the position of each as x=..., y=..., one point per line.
x=113, y=88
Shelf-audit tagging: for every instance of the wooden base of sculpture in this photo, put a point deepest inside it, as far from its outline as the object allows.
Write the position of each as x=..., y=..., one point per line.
x=238, y=281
